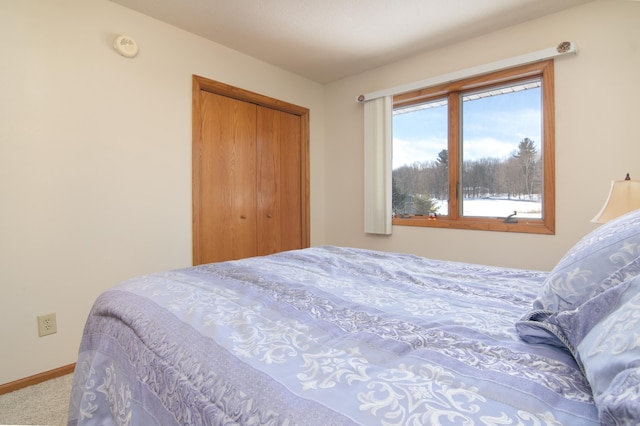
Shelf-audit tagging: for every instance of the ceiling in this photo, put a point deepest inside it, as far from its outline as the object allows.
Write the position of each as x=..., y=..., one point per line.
x=326, y=40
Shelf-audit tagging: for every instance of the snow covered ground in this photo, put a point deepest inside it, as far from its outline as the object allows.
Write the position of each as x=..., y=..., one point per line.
x=496, y=207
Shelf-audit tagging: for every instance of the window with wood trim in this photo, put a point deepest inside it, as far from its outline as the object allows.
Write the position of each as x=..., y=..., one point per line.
x=477, y=153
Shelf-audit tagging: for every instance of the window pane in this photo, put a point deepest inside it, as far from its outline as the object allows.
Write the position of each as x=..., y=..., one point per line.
x=421, y=159
x=501, y=152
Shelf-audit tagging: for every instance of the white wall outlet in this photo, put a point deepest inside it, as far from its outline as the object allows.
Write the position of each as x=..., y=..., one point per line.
x=47, y=325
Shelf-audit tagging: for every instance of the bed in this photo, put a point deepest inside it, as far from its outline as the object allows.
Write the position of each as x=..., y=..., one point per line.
x=344, y=336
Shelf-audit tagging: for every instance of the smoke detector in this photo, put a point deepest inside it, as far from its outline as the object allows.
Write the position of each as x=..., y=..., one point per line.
x=126, y=46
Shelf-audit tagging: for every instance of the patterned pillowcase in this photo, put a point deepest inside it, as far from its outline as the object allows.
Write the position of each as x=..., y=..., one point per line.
x=619, y=404
x=604, y=257
x=537, y=327
x=604, y=334
x=590, y=305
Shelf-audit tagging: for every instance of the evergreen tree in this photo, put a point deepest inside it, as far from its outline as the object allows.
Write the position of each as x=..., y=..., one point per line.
x=397, y=198
x=441, y=187
x=423, y=205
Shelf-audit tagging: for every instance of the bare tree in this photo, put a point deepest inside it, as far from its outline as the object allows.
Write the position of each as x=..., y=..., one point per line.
x=527, y=160
x=518, y=176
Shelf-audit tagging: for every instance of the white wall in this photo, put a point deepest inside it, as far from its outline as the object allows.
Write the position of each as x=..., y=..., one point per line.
x=95, y=151
x=95, y=160
x=597, y=95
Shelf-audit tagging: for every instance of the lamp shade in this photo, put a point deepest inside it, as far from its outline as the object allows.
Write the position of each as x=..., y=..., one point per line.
x=624, y=196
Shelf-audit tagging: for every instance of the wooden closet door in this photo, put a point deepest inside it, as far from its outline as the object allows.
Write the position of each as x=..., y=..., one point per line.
x=250, y=173
x=279, y=210
x=227, y=181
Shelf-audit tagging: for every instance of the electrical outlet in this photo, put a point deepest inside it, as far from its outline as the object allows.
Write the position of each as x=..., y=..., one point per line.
x=47, y=325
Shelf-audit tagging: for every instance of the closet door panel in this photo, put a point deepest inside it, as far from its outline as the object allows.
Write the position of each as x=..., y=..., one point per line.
x=228, y=179
x=250, y=173
x=279, y=210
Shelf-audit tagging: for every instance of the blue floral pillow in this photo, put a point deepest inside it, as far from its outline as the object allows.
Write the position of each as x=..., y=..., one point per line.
x=606, y=256
x=590, y=305
x=604, y=334
x=620, y=404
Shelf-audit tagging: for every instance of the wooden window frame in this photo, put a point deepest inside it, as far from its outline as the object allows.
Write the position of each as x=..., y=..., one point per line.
x=452, y=90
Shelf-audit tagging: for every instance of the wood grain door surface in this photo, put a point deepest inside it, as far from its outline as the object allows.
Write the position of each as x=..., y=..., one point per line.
x=279, y=182
x=228, y=178
x=250, y=174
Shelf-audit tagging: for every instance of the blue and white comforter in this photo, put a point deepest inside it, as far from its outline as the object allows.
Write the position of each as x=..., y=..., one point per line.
x=324, y=336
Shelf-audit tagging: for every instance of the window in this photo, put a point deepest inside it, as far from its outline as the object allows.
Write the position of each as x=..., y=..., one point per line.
x=477, y=153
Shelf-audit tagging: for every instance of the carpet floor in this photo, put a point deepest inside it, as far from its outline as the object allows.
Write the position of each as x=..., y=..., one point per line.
x=46, y=403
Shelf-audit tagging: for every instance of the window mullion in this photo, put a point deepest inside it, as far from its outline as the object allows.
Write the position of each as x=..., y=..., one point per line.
x=454, y=155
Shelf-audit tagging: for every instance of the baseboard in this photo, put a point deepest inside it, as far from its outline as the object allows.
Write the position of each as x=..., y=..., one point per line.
x=37, y=378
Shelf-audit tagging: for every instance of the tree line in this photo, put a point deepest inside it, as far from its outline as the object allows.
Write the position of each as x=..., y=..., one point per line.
x=518, y=176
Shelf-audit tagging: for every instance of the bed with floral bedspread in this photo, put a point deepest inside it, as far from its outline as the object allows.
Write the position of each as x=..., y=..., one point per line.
x=342, y=336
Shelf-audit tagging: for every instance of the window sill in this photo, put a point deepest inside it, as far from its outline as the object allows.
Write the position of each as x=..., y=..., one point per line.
x=528, y=226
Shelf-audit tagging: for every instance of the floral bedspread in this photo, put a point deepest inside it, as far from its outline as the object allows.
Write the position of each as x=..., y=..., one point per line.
x=324, y=336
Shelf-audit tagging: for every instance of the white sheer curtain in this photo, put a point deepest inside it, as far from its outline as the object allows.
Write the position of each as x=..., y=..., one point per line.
x=377, y=165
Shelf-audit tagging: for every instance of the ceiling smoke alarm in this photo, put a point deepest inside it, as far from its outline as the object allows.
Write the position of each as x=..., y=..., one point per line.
x=126, y=46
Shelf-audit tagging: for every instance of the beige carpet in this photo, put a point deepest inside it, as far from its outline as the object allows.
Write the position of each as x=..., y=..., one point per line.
x=42, y=404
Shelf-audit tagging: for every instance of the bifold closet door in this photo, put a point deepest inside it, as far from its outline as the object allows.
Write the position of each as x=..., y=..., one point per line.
x=279, y=210
x=227, y=182
x=250, y=173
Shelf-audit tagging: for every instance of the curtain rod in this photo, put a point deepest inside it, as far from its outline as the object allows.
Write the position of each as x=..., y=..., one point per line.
x=551, y=52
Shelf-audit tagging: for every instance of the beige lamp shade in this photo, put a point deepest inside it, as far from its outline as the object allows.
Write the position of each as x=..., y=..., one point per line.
x=624, y=196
